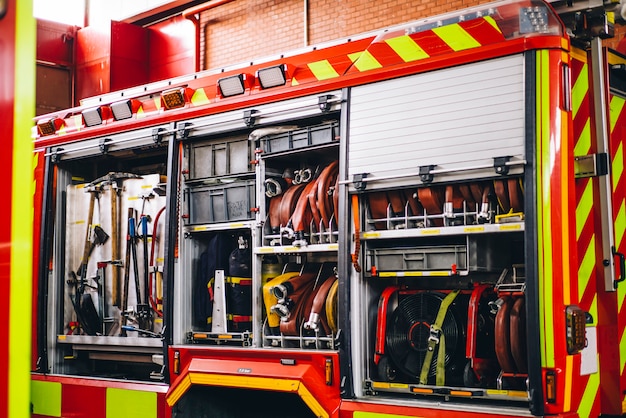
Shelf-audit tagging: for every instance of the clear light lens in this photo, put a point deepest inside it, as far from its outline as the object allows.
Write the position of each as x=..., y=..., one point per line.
x=92, y=117
x=231, y=86
x=122, y=110
x=272, y=76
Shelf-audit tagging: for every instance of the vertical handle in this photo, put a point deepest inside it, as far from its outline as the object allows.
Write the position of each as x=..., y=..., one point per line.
x=622, y=265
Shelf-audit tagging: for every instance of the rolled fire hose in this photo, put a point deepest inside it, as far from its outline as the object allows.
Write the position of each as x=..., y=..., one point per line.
x=502, y=335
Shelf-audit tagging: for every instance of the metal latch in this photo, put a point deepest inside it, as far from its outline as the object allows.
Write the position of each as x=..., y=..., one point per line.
x=592, y=165
x=358, y=180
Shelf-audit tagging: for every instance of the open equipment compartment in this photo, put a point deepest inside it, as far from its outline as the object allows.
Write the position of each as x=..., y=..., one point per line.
x=106, y=283
x=438, y=215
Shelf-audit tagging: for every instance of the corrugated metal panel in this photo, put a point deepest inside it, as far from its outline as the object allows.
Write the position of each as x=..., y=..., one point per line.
x=454, y=119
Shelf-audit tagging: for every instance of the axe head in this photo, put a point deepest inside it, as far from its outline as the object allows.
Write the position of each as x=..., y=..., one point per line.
x=99, y=236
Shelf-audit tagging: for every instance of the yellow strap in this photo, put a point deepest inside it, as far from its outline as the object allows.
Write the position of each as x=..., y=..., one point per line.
x=436, y=338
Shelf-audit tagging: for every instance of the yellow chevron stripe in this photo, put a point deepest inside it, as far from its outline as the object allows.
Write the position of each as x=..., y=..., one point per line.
x=591, y=391
x=181, y=389
x=615, y=109
x=622, y=349
x=569, y=366
x=492, y=22
x=199, y=97
x=407, y=49
x=365, y=61
x=456, y=37
x=620, y=225
x=617, y=166
x=583, y=209
x=322, y=70
x=586, y=267
x=579, y=90
x=583, y=144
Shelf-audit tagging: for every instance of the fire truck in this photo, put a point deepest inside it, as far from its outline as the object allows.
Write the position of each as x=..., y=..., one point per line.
x=423, y=220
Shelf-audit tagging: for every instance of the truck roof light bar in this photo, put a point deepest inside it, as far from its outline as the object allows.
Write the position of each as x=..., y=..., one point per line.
x=176, y=98
x=232, y=86
x=124, y=109
x=49, y=126
x=272, y=76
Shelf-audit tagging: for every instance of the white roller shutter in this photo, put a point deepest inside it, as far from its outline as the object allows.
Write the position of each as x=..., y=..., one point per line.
x=456, y=119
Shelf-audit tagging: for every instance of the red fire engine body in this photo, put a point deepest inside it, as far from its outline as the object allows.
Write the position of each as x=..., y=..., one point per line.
x=425, y=220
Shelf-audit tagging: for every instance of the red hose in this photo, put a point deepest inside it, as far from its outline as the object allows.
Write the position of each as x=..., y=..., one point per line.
x=152, y=299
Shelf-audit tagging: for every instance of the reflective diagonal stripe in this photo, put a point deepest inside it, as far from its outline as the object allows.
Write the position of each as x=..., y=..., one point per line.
x=583, y=145
x=199, y=97
x=620, y=224
x=616, y=107
x=323, y=70
x=456, y=37
x=585, y=270
x=617, y=166
x=591, y=391
x=583, y=209
x=407, y=48
x=366, y=62
x=579, y=90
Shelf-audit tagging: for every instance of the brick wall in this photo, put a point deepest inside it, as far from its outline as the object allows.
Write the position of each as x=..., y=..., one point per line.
x=242, y=30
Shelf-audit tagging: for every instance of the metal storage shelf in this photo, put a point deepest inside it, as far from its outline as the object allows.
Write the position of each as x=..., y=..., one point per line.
x=292, y=249
x=112, y=343
x=443, y=231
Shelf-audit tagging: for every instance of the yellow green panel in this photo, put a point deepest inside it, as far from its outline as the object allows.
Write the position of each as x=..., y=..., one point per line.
x=199, y=98
x=492, y=22
x=406, y=48
x=583, y=209
x=615, y=109
x=366, y=62
x=322, y=70
x=456, y=37
x=579, y=90
x=361, y=414
x=46, y=398
x=617, y=166
x=124, y=403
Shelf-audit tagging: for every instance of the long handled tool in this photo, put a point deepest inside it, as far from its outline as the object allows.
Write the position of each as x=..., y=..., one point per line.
x=124, y=304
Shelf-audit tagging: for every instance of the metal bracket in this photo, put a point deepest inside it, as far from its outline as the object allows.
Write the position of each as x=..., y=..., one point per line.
x=425, y=173
x=358, y=181
x=104, y=145
x=592, y=165
x=249, y=117
x=157, y=135
x=55, y=157
x=183, y=130
x=499, y=165
x=324, y=102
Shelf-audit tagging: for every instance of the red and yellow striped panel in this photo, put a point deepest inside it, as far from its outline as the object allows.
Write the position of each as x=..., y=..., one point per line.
x=56, y=396
x=17, y=108
x=556, y=231
x=586, y=395
x=617, y=132
x=398, y=48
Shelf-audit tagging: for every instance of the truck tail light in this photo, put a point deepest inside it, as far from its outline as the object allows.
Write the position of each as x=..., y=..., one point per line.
x=575, y=329
x=272, y=76
x=232, y=86
x=96, y=115
x=124, y=109
x=176, y=365
x=550, y=386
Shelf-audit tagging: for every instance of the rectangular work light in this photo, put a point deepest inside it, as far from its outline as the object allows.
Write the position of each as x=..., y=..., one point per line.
x=96, y=115
x=272, y=76
x=124, y=109
x=232, y=86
